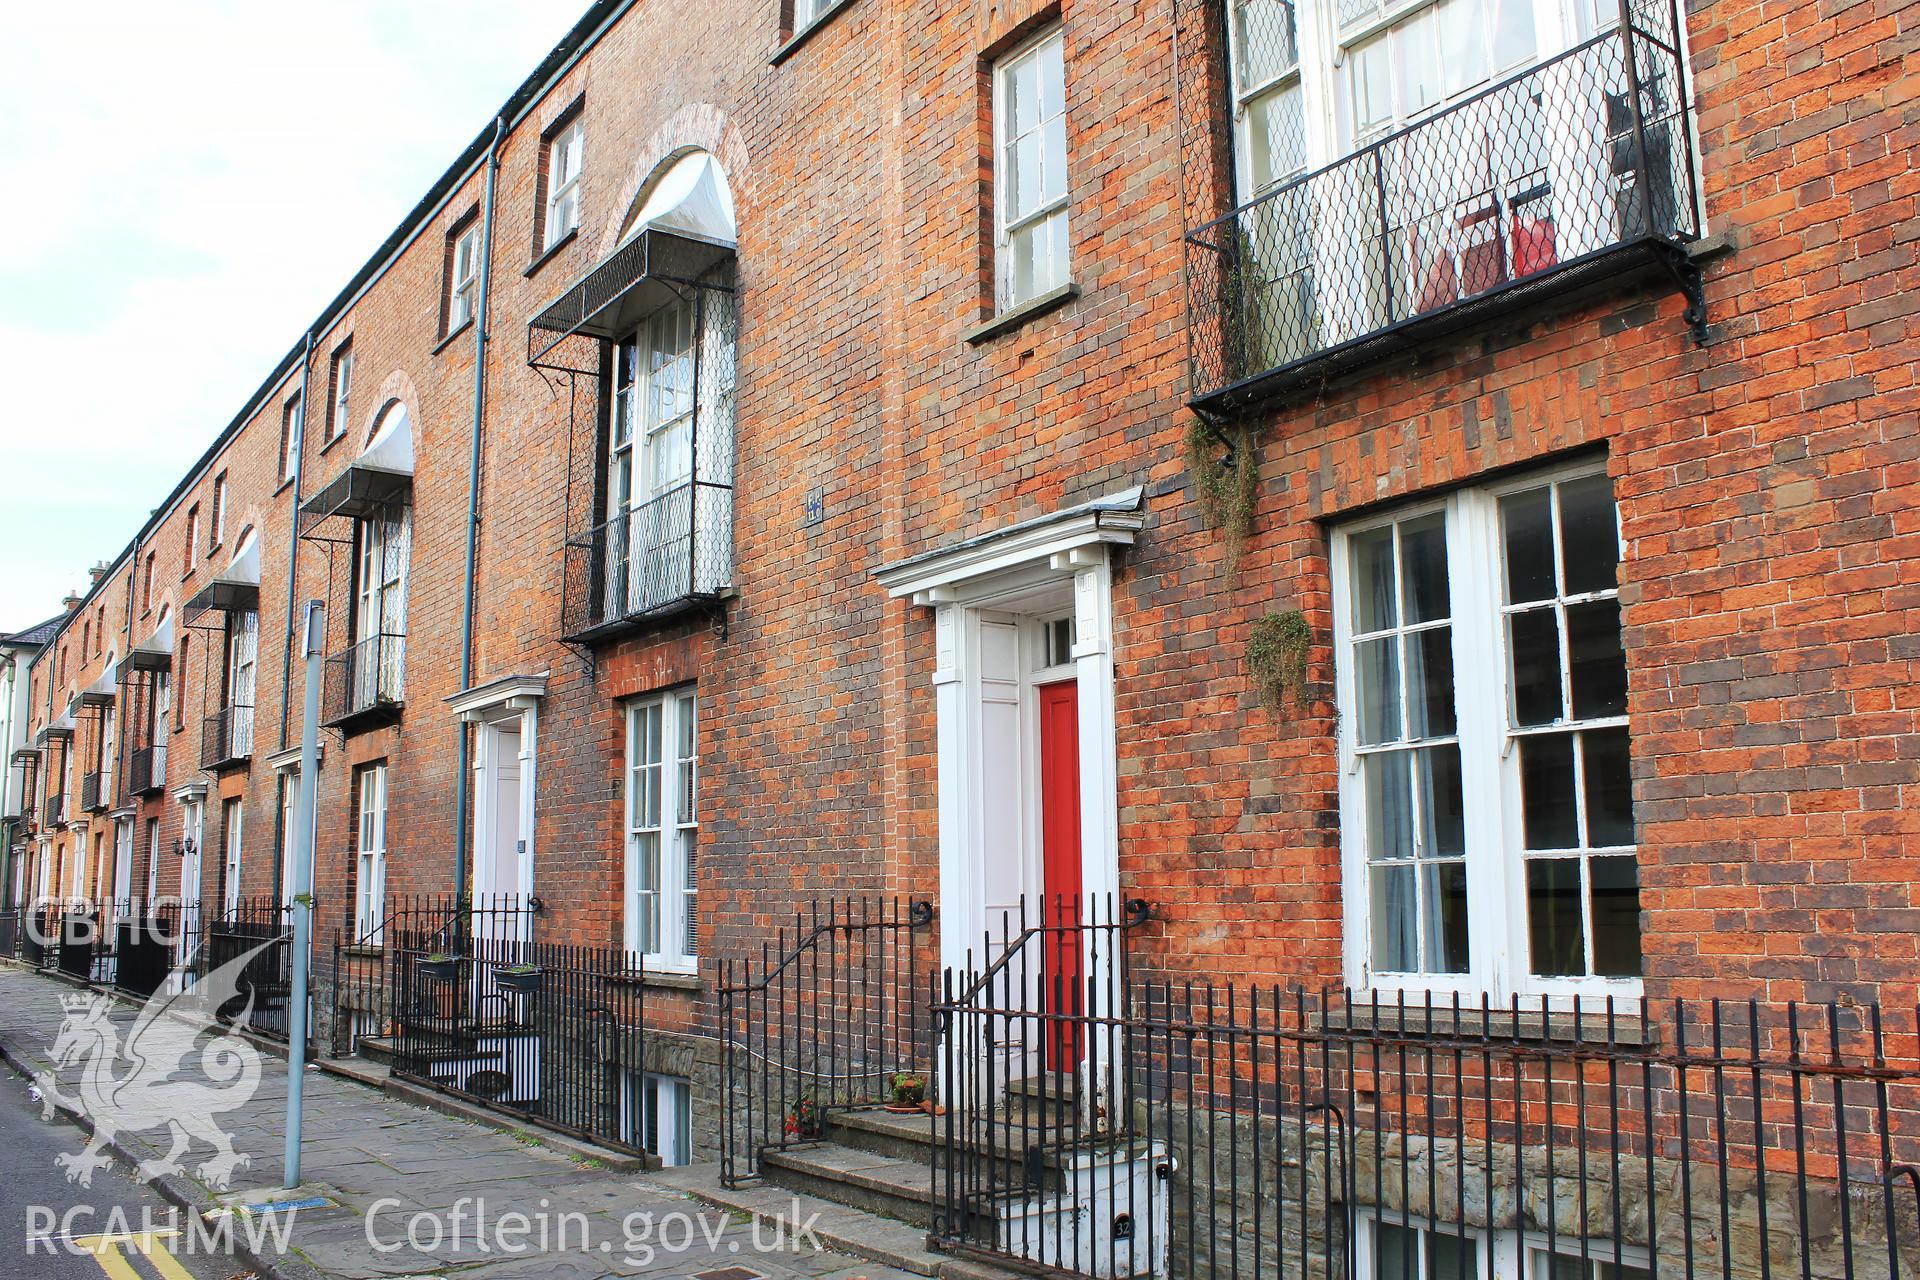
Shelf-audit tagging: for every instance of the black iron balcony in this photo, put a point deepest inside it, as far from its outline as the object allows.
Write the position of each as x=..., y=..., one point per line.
x=53, y=811
x=365, y=679
x=92, y=795
x=1564, y=175
x=663, y=557
x=146, y=770
x=226, y=739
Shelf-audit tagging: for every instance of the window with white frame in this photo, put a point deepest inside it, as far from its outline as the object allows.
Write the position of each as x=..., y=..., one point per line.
x=463, y=273
x=217, y=527
x=291, y=419
x=1030, y=199
x=1403, y=62
x=660, y=1117
x=1269, y=121
x=370, y=853
x=382, y=550
x=233, y=819
x=340, y=380
x=808, y=12
x=243, y=653
x=663, y=537
x=1486, y=806
x=662, y=830
x=1395, y=1247
x=566, y=152
x=192, y=556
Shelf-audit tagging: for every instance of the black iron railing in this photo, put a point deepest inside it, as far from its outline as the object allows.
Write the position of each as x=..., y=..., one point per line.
x=367, y=676
x=361, y=975
x=662, y=556
x=835, y=1007
x=91, y=799
x=226, y=737
x=53, y=810
x=256, y=934
x=12, y=934
x=475, y=1008
x=146, y=770
x=1550, y=179
x=1239, y=1132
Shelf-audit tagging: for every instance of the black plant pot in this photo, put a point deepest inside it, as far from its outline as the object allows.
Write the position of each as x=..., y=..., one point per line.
x=440, y=969
x=524, y=982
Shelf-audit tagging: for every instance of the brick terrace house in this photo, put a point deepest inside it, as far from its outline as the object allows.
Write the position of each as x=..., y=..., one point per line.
x=1421, y=496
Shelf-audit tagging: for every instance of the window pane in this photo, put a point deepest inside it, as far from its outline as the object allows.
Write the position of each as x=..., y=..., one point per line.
x=1609, y=788
x=1463, y=44
x=1596, y=664
x=1442, y=812
x=1451, y=1257
x=1386, y=779
x=1430, y=712
x=1553, y=917
x=1276, y=137
x=1534, y=638
x=1373, y=580
x=1372, y=86
x=1265, y=32
x=1395, y=920
x=1525, y=520
x=1589, y=534
x=1024, y=269
x=1377, y=681
x=1419, y=63
x=1423, y=568
x=1053, y=159
x=1514, y=41
x=1023, y=176
x=1393, y=1256
x=1616, y=917
x=1546, y=792
x=1446, y=892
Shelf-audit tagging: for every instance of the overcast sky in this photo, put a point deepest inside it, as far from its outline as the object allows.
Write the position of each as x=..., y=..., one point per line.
x=187, y=184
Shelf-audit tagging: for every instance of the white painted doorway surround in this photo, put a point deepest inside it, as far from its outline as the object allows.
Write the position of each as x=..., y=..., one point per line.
x=991, y=596
x=505, y=715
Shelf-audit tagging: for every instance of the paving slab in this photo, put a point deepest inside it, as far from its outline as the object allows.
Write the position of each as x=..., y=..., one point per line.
x=412, y=1191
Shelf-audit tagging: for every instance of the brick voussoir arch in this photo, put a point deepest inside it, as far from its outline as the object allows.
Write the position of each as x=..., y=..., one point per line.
x=699, y=126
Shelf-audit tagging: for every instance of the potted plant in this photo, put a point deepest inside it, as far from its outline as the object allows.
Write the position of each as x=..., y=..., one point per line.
x=521, y=979
x=803, y=1122
x=909, y=1091
x=441, y=966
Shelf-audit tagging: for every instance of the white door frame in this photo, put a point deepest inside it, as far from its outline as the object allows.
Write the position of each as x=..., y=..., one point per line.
x=510, y=704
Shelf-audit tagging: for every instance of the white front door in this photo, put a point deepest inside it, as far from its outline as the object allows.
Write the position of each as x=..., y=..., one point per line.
x=503, y=872
x=122, y=867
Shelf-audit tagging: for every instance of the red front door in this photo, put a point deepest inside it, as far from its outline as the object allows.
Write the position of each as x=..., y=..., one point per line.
x=1060, y=866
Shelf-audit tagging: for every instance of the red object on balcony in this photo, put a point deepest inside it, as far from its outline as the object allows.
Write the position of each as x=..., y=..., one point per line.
x=1535, y=247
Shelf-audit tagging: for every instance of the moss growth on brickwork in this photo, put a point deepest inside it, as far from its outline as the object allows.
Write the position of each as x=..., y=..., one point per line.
x=1224, y=487
x=1277, y=656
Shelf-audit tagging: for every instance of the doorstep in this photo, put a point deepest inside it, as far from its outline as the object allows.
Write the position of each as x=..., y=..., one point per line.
x=834, y=1225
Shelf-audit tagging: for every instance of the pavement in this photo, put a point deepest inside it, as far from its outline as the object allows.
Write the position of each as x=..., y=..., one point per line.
x=389, y=1188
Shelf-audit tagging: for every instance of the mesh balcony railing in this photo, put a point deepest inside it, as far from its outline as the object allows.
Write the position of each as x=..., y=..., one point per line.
x=366, y=677
x=53, y=811
x=1555, y=177
x=146, y=770
x=664, y=555
x=227, y=736
x=91, y=799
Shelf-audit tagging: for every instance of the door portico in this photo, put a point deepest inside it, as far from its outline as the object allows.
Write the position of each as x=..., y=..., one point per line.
x=999, y=604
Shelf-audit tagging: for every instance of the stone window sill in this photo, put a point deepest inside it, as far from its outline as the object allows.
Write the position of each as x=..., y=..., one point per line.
x=1013, y=317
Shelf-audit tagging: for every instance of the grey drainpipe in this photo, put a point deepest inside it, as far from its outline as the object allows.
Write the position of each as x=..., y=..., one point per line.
x=480, y=324
x=293, y=541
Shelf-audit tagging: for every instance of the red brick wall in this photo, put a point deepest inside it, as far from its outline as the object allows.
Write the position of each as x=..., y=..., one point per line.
x=1766, y=484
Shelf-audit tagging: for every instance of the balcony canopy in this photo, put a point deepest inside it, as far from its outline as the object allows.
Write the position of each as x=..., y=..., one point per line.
x=101, y=692
x=680, y=233
x=379, y=477
x=235, y=588
x=155, y=653
x=61, y=728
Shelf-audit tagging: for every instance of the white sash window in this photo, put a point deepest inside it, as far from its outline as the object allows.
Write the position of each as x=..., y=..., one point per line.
x=370, y=854
x=662, y=830
x=1486, y=798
